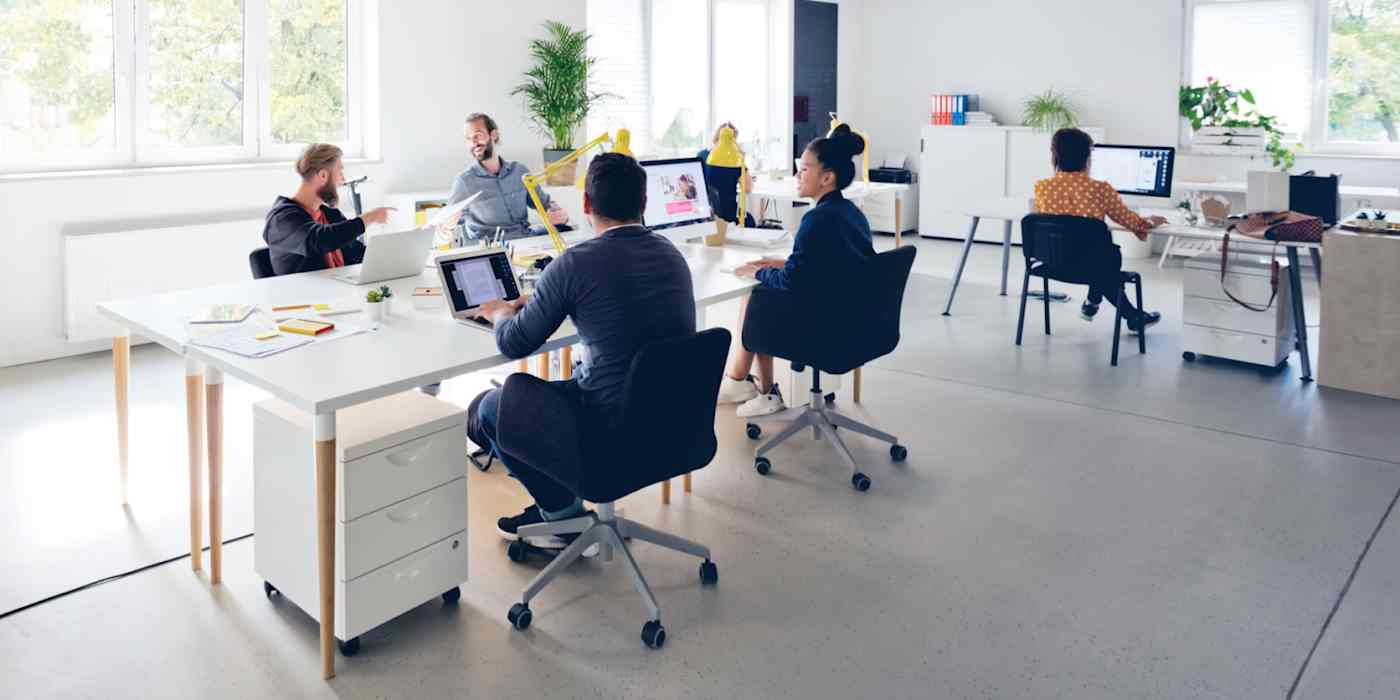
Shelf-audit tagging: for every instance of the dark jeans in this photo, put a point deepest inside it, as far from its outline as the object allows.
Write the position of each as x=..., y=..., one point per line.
x=1102, y=269
x=553, y=498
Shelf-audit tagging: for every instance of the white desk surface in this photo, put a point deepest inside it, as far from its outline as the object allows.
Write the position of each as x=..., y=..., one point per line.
x=411, y=347
x=1175, y=226
x=1239, y=187
x=786, y=189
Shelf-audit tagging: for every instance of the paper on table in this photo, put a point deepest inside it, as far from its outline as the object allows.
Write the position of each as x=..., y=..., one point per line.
x=451, y=212
x=242, y=340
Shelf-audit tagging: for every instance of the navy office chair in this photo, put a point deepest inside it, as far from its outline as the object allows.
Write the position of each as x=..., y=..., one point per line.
x=662, y=435
x=260, y=261
x=822, y=334
x=1068, y=249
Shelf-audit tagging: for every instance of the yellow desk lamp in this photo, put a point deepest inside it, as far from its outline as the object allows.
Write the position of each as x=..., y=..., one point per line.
x=865, y=155
x=621, y=144
x=727, y=155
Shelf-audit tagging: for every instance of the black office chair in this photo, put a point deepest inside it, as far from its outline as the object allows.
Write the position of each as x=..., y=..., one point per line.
x=832, y=335
x=1054, y=246
x=663, y=434
x=260, y=260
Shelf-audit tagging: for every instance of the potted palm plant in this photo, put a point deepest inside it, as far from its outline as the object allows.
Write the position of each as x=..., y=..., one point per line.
x=556, y=91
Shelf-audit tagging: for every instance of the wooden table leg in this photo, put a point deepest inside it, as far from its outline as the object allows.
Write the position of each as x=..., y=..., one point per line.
x=686, y=480
x=214, y=423
x=666, y=492
x=566, y=362
x=898, y=225
x=544, y=366
x=121, y=376
x=194, y=424
x=523, y=365
x=855, y=386
x=324, y=436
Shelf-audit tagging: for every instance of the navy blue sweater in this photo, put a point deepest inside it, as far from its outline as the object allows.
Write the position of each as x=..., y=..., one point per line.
x=832, y=244
x=623, y=290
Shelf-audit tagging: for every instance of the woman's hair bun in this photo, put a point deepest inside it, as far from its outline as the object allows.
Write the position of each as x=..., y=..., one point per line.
x=846, y=141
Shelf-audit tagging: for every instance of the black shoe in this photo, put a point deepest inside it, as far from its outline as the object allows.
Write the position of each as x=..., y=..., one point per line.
x=1144, y=321
x=509, y=528
x=1087, y=311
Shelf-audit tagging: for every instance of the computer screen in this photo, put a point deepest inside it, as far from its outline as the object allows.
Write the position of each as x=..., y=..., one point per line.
x=471, y=281
x=676, y=193
x=1141, y=170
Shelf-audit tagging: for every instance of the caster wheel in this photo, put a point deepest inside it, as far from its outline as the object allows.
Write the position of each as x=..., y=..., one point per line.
x=762, y=465
x=830, y=399
x=709, y=573
x=1188, y=356
x=270, y=590
x=477, y=457
x=518, y=551
x=520, y=616
x=349, y=648
x=860, y=481
x=753, y=431
x=653, y=634
x=898, y=453
x=451, y=597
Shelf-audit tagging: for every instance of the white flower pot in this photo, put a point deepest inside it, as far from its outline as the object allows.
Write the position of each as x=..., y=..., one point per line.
x=376, y=309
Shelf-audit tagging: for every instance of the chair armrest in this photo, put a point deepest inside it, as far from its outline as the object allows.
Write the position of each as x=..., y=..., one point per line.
x=539, y=425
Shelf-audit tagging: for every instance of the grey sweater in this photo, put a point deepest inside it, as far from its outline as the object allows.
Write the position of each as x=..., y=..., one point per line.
x=624, y=289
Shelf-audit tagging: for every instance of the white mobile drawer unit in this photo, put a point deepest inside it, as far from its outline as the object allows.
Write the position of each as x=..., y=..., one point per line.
x=1214, y=325
x=401, y=508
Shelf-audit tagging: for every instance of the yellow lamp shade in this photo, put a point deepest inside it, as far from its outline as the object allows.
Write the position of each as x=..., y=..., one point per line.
x=726, y=154
x=623, y=143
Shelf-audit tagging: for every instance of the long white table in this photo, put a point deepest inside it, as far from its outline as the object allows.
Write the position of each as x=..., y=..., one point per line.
x=785, y=191
x=410, y=348
x=1012, y=209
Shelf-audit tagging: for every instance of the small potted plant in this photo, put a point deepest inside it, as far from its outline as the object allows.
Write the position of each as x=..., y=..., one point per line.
x=376, y=302
x=1049, y=111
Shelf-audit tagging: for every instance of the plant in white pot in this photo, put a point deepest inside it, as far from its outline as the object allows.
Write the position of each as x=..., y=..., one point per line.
x=377, y=302
x=1226, y=121
x=556, y=92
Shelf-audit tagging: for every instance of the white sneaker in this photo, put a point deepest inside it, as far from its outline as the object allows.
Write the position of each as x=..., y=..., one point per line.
x=733, y=390
x=761, y=405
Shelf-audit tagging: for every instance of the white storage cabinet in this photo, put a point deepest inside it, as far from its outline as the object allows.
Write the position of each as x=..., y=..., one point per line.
x=1214, y=325
x=401, y=508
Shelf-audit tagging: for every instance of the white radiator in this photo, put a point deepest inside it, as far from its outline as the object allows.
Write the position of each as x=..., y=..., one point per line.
x=132, y=261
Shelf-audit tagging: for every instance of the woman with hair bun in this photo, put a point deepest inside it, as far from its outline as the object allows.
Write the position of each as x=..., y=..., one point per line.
x=832, y=243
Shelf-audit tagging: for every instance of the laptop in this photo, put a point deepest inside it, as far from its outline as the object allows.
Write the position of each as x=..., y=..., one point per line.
x=471, y=278
x=389, y=256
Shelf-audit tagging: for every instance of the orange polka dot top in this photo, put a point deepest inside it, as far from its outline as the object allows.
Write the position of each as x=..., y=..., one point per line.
x=1076, y=194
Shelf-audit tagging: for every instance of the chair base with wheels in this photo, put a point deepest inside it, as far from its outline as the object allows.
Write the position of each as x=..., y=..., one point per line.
x=608, y=531
x=823, y=419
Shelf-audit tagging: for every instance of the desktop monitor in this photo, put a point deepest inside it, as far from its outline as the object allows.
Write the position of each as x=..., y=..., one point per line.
x=1145, y=171
x=676, y=193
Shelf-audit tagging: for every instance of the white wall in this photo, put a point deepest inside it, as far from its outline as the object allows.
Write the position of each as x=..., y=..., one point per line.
x=440, y=60
x=1121, y=61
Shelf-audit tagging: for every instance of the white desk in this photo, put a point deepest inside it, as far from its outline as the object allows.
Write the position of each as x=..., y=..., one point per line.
x=784, y=191
x=411, y=348
x=1007, y=209
x=1004, y=209
x=1380, y=195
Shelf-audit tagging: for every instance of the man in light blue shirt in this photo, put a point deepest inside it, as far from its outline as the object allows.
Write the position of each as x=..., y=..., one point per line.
x=504, y=203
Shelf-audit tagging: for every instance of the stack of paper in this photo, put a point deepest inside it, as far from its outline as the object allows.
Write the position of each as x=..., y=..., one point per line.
x=243, y=341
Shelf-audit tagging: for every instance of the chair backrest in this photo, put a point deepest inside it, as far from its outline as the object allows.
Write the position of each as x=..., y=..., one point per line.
x=668, y=413
x=1059, y=240
x=891, y=275
x=260, y=261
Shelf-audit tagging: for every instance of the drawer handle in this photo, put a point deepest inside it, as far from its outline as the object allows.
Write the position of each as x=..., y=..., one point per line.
x=405, y=458
x=410, y=574
x=411, y=515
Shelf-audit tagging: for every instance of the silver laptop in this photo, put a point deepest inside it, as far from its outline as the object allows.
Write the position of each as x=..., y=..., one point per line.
x=389, y=256
x=473, y=277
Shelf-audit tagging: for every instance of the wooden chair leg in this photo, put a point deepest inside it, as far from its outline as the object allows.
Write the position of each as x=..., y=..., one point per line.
x=855, y=386
x=686, y=481
x=666, y=492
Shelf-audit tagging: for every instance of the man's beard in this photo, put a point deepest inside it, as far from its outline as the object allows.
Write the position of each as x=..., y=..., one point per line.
x=487, y=153
x=329, y=194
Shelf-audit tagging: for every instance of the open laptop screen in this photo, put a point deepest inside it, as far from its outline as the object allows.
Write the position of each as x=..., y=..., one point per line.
x=676, y=193
x=471, y=281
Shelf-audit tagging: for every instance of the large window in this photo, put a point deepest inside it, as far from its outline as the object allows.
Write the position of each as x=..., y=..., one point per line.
x=138, y=83
x=678, y=68
x=1330, y=69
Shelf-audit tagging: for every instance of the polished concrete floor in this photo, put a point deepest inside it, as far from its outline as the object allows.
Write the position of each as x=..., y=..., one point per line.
x=1061, y=529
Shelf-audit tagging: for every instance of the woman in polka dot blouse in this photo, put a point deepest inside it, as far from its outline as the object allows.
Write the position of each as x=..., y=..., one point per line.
x=1071, y=191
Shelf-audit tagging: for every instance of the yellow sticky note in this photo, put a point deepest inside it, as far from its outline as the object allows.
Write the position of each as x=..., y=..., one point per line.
x=268, y=335
x=323, y=307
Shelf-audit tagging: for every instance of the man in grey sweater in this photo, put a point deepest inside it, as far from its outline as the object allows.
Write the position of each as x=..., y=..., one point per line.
x=504, y=204
x=624, y=289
